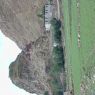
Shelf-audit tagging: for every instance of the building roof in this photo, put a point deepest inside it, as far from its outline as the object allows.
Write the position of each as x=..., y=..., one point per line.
x=48, y=15
x=47, y=26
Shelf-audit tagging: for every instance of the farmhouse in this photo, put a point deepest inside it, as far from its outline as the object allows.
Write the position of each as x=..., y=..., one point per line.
x=48, y=16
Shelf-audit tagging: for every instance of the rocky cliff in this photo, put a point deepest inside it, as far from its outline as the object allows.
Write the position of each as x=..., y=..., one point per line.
x=19, y=22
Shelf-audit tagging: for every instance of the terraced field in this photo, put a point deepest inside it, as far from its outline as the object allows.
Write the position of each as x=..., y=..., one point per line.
x=79, y=28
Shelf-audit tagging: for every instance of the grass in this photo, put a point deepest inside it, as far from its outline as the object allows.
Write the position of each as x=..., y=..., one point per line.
x=87, y=30
x=71, y=44
x=80, y=61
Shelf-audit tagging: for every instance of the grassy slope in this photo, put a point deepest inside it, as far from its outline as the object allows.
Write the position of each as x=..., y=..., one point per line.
x=67, y=40
x=72, y=51
x=83, y=58
x=87, y=20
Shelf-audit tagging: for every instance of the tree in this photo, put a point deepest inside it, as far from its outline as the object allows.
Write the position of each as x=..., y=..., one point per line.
x=57, y=37
x=58, y=57
x=46, y=93
x=56, y=23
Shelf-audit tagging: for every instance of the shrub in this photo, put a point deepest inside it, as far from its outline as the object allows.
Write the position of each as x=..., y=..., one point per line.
x=54, y=70
x=56, y=24
x=58, y=57
x=56, y=84
x=41, y=13
x=46, y=93
x=57, y=37
x=58, y=93
x=50, y=1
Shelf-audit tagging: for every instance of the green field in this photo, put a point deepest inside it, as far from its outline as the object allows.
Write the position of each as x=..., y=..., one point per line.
x=87, y=30
x=80, y=61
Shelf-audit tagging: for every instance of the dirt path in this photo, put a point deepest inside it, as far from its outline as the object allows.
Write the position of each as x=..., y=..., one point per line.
x=58, y=9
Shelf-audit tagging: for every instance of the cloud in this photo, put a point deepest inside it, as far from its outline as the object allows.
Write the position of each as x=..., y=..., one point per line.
x=8, y=53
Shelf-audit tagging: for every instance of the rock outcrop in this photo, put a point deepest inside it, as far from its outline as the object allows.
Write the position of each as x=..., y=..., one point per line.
x=28, y=71
x=19, y=22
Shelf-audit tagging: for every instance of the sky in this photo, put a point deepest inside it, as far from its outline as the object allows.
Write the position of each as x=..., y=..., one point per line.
x=8, y=53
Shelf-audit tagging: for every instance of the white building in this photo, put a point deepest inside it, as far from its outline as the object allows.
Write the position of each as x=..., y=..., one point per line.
x=48, y=16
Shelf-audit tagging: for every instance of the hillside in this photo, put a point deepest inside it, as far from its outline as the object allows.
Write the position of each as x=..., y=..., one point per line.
x=20, y=22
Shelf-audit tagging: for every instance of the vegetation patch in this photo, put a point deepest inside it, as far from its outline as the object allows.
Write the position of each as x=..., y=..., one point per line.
x=72, y=51
x=80, y=60
x=46, y=93
x=41, y=13
x=87, y=30
x=57, y=64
